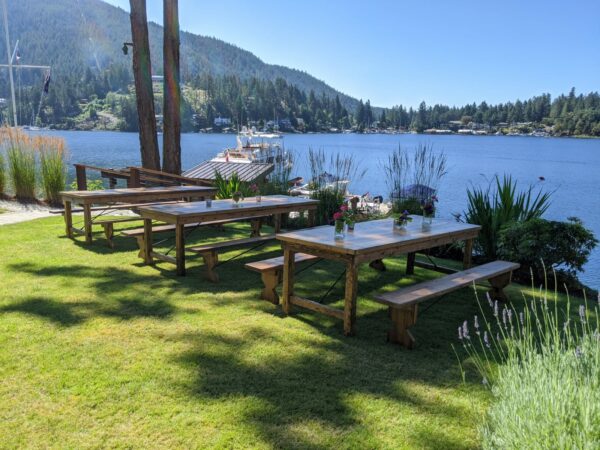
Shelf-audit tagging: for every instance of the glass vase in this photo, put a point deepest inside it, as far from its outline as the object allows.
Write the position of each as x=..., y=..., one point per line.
x=258, y=198
x=350, y=225
x=400, y=225
x=339, y=230
x=427, y=221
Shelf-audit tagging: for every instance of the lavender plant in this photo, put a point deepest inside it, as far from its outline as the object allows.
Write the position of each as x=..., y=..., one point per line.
x=542, y=365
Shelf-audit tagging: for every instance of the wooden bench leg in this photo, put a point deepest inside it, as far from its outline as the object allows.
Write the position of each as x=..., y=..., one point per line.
x=402, y=319
x=109, y=232
x=211, y=258
x=140, y=243
x=498, y=284
x=410, y=263
x=271, y=280
x=255, y=224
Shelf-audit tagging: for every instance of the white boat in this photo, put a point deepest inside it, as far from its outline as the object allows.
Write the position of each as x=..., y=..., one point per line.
x=254, y=147
x=326, y=181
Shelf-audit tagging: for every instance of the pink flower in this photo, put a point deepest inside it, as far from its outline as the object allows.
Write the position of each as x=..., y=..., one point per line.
x=338, y=216
x=344, y=208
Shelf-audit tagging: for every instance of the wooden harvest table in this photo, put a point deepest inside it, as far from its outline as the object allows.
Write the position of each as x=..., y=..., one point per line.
x=197, y=212
x=128, y=195
x=370, y=241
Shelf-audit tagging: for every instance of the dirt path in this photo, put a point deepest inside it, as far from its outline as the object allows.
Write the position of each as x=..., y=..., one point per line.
x=14, y=212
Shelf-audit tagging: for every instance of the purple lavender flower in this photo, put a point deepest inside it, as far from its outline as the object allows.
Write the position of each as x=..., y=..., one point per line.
x=486, y=340
x=498, y=337
x=578, y=352
x=489, y=299
x=504, y=316
x=496, y=308
x=460, y=335
x=566, y=325
x=510, y=313
x=476, y=325
x=484, y=381
x=582, y=313
x=465, y=330
x=521, y=318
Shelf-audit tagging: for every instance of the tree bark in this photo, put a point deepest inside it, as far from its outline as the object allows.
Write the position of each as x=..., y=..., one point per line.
x=142, y=72
x=172, y=90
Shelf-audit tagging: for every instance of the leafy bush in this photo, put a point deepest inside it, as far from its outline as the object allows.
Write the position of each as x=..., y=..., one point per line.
x=226, y=188
x=499, y=205
x=92, y=185
x=52, y=164
x=340, y=168
x=543, y=367
x=565, y=246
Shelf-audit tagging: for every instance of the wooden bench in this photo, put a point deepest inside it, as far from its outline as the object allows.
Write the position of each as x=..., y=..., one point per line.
x=403, y=302
x=111, y=207
x=210, y=252
x=271, y=271
x=138, y=233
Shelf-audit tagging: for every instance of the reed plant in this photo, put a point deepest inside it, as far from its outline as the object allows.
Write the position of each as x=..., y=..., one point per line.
x=21, y=163
x=498, y=205
x=2, y=175
x=330, y=177
x=52, y=166
x=278, y=182
x=542, y=365
x=423, y=168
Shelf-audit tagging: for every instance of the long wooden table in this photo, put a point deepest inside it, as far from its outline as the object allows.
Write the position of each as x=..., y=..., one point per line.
x=197, y=212
x=123, y=196
x=370, y=241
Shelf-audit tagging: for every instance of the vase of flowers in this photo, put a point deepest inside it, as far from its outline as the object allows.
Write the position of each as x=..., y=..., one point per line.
x=401, y=222
x=428, y=208
x=338, y=219
x=237, y=198
x=256, y=191
x=348, y=217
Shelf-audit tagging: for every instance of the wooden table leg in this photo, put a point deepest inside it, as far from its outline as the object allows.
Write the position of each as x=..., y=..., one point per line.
x=350, y=298
x=68, y=219
x=180, y=249
x=277, y=222
x=87, y=220
x=311, y=218
x=288, y=279
x=146, y=250
x=468, y=255
x=410, y=263
x=256, y=225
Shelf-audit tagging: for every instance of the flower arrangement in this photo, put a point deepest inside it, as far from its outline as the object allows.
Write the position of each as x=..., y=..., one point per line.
x=338, y=218
x=256, y=191
x=237, y=197
x=402, y=220
x=428, y=206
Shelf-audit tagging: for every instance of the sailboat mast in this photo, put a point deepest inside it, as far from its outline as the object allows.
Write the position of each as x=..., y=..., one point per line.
x=10, y=67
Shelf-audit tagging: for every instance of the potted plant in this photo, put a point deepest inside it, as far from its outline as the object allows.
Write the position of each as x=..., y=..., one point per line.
x=428, y=207
x=237, y=198
x=338, y=219
x=401, y=222
x=256, y=191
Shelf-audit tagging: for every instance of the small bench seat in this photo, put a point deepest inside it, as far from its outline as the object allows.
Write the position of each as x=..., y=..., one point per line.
x=271, y=271
x=138, y=233
x=210, y=252
x=403, y=302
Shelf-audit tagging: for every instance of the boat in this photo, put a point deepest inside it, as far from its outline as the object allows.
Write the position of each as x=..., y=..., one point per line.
x=325, y=180
x=255, y=147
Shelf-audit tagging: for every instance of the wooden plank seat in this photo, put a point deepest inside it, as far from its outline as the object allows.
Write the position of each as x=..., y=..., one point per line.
x=271, y=272
x=138, y=233
x=210, y=252
x=403, y=302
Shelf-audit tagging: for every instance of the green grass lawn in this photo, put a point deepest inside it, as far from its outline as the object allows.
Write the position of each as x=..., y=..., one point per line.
x=98, y=350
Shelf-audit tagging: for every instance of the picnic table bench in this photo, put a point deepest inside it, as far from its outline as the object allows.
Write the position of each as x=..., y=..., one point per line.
x=128, y=198
x=403, y=303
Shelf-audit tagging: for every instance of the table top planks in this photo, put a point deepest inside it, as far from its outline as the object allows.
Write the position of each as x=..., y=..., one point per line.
x=133, y=194
x=377, y=235
x=198, y=211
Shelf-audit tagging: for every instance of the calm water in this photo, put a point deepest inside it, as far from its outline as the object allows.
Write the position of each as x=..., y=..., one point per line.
x=570, y=166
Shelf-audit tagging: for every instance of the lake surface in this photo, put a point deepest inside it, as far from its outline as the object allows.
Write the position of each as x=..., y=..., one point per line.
x=571, y=167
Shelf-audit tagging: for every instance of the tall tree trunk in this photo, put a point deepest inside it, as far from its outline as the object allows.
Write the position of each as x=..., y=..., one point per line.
x=172, y=90
x=142, y=72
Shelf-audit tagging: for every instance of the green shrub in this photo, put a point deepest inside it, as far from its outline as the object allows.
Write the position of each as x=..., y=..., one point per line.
x=2, y=175
x=543, y=367
x=92, y=185
x=52, y=167
x=22, y=171
x=226, y=188
x=563, y=246
x=499, y=205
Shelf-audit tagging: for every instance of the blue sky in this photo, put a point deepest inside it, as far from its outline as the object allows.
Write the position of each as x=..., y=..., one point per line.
x=403, y=52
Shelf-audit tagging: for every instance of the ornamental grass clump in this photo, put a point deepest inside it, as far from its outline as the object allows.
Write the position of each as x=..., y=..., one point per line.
x=21, y=163
x=52, y=166
x=2, y=176
x=542, y=365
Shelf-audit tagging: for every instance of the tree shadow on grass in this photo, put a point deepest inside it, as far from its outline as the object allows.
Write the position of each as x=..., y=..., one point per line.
x=330, y=385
